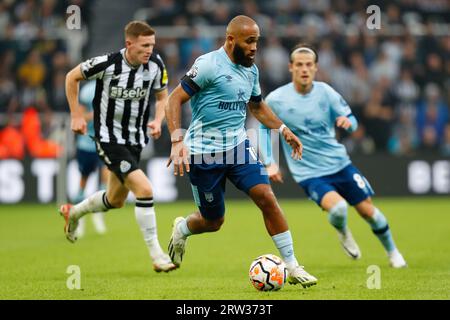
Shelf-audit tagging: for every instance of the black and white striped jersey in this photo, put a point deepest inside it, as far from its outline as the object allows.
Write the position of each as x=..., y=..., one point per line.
x=121, y=102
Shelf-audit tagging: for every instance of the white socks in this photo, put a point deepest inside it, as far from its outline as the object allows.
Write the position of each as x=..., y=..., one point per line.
x=144, y=212
x=95, y=203
x=146, y=219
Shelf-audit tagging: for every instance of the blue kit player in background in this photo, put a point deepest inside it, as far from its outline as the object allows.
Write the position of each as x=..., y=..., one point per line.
x=88, y=159
x=220, y=85
x=312, y=109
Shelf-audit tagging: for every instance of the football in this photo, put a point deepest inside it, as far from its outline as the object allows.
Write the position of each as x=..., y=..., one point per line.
x=268, y=273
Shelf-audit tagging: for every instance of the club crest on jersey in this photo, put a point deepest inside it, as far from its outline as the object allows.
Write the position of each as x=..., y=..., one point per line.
x=116, y=92
x=124, y=166
x=240, y=94
x=193, y=72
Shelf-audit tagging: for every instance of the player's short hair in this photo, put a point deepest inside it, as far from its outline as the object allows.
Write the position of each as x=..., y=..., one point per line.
x=304, y=47
x=137, y=28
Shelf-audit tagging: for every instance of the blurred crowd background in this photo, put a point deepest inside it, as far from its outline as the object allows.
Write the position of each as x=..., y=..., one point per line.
x=396, y=79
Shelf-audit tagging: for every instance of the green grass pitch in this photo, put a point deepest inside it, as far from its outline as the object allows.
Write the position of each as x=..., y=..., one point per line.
x=34, y=254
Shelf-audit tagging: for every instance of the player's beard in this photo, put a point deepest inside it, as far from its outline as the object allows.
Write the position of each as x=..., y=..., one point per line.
x=240, y=57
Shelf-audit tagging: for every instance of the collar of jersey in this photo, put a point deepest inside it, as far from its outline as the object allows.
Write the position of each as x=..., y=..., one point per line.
x=222, y=51
x=301, y=94
x=126, y=61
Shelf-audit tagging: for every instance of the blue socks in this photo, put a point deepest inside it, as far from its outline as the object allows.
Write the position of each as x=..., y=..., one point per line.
x=380, y=228
x=337, y=216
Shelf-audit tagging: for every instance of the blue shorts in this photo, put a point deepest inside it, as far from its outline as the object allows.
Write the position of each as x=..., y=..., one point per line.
x=208, y=175
x=88, y=162
x=348, y=182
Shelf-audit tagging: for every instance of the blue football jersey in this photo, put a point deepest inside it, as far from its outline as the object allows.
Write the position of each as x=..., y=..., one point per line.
x=311, y=117
x=220, y=91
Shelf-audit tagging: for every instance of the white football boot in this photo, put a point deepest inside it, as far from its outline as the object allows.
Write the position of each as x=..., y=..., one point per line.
x=163, y=262
x=299, y=275
x=177, y=243
x=396, y=260
x=71, y=224
x=349, y=244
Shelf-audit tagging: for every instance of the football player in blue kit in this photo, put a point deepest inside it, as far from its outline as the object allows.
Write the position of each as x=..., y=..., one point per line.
x=312, y=109
x=219, y=86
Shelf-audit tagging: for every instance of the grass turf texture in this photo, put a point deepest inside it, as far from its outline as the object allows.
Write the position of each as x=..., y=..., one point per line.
x=34, y=254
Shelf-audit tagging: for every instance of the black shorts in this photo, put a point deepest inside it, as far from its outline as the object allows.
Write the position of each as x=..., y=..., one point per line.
x=119, y=158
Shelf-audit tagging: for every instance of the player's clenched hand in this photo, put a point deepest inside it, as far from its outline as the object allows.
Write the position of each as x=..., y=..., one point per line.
x=155, y=129
x=294, y=142
x=78, y=124
x=179, y=156
x=274, y=173
x=343, y=122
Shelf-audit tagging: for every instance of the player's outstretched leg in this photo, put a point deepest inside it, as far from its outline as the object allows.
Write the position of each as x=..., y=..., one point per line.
x=380, y=227
x=278, y=229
